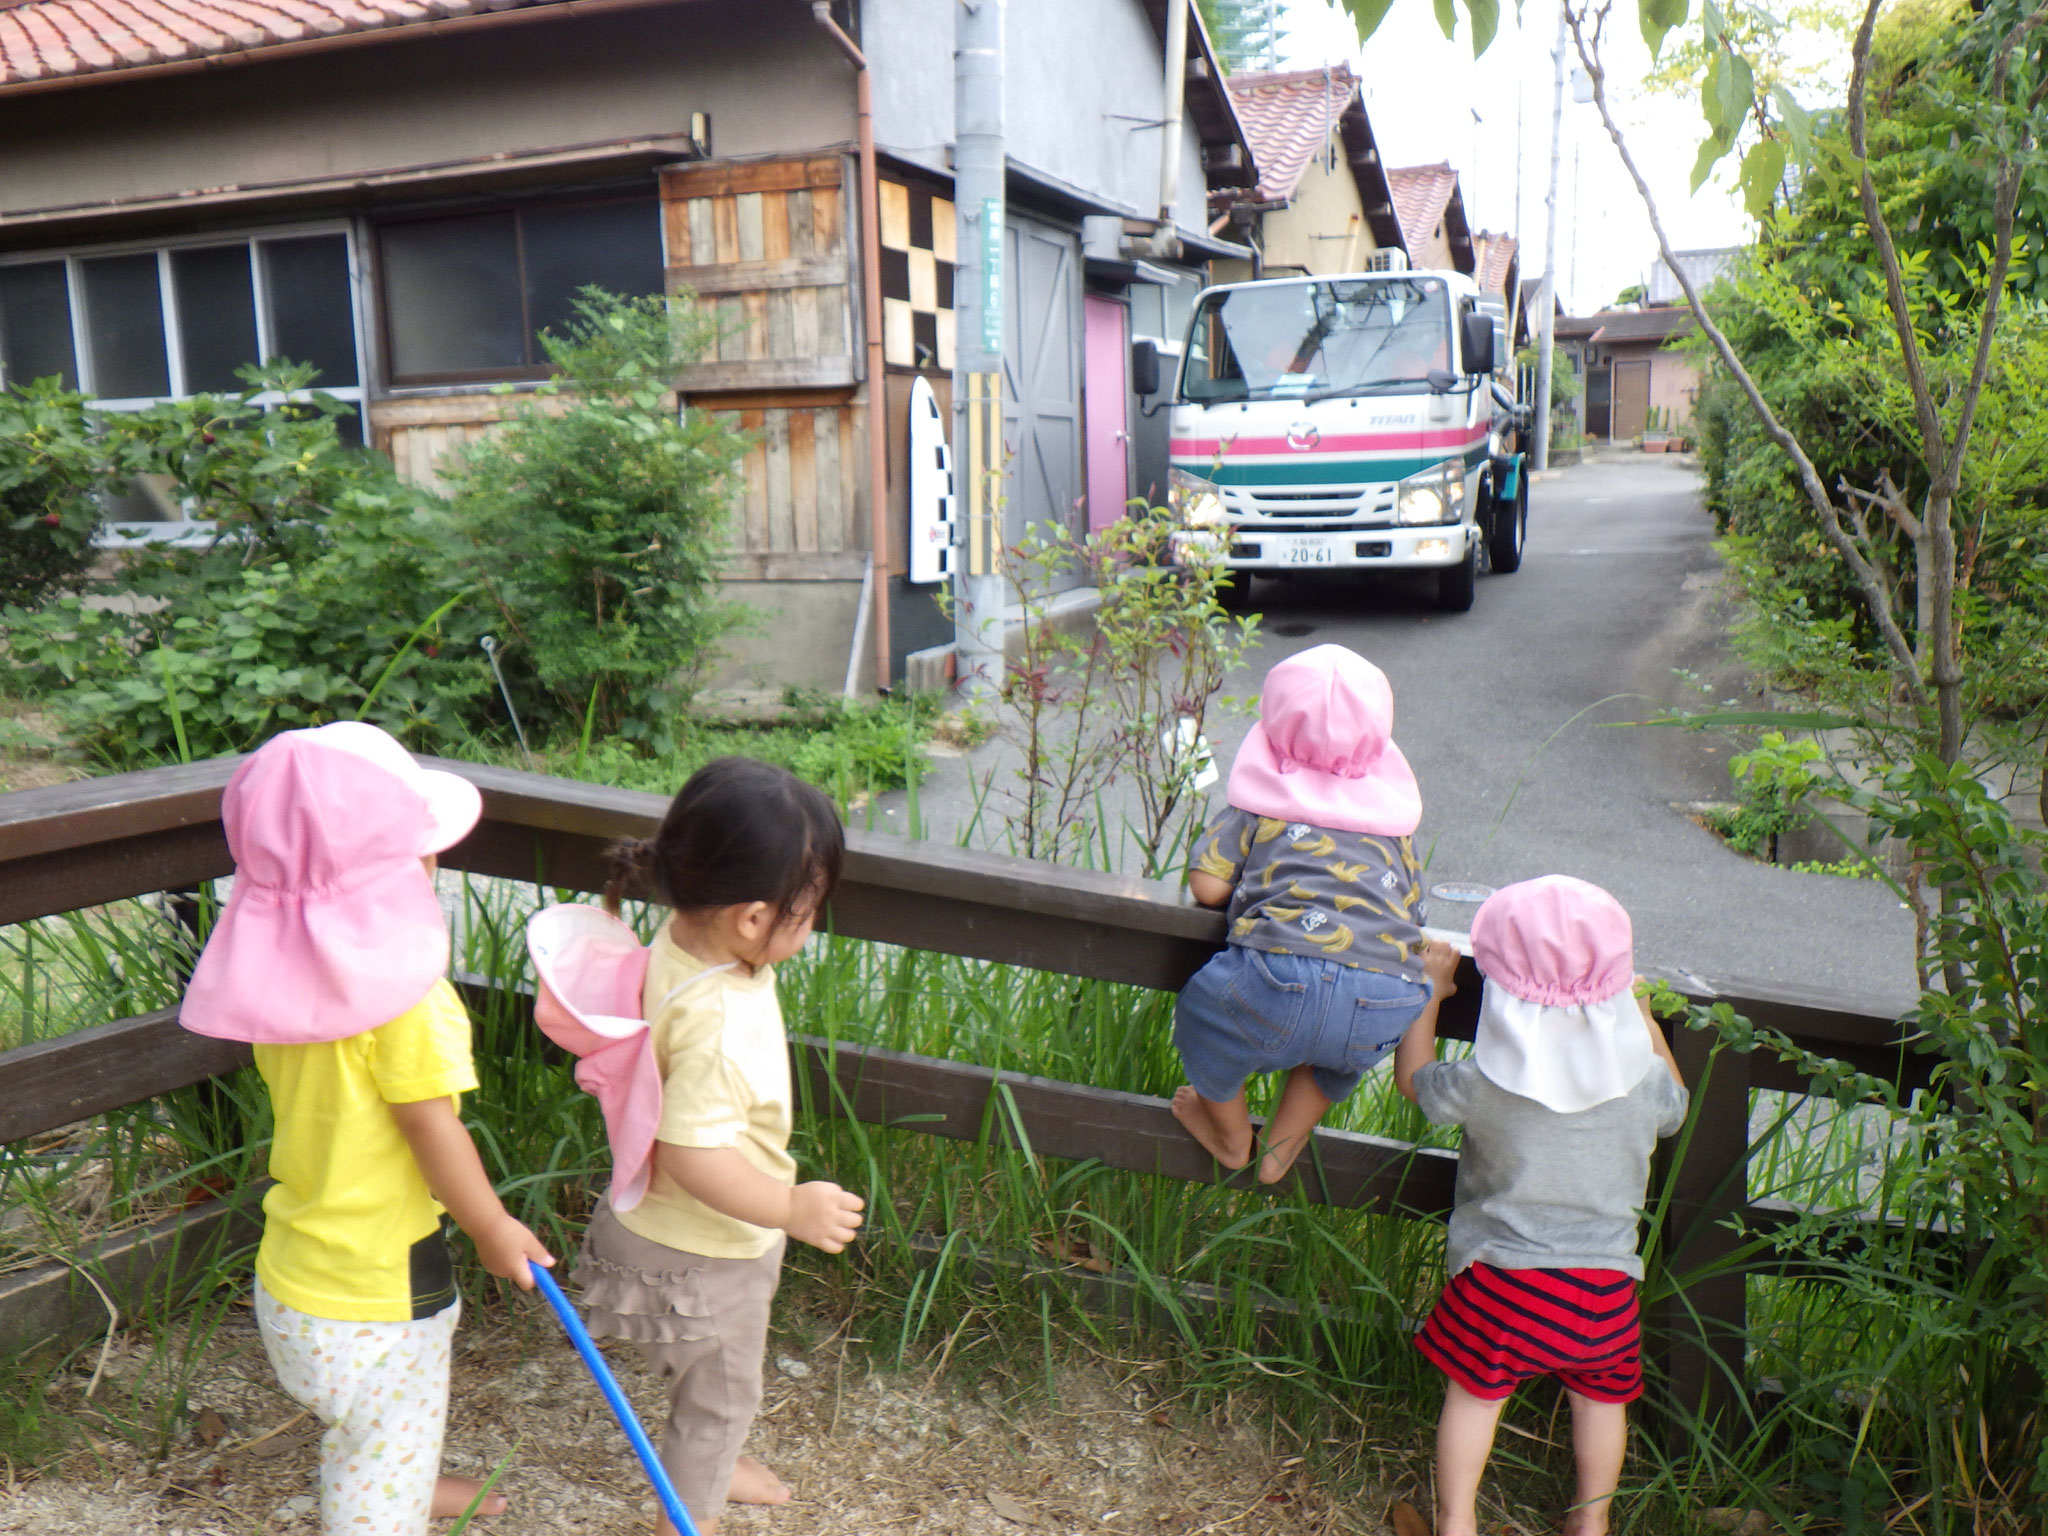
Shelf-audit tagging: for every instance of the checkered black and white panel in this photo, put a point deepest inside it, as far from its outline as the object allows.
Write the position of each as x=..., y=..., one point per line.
x=917, y=277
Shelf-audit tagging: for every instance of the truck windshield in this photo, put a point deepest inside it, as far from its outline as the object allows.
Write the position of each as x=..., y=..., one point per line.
x=1335, y=337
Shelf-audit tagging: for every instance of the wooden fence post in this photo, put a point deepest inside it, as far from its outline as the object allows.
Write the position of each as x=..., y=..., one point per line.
x=1701, y=1328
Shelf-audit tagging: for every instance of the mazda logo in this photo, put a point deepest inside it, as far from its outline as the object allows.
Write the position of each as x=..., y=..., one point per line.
x=1303, y=435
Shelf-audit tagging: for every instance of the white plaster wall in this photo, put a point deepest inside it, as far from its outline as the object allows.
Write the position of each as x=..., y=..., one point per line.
x=1082, y=80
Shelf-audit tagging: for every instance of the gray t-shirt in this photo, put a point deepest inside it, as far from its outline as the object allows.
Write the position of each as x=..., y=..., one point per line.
x=1542, y=1190
x=1303, y=890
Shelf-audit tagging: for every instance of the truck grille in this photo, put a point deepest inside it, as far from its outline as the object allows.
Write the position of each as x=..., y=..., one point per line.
x=1361, y=503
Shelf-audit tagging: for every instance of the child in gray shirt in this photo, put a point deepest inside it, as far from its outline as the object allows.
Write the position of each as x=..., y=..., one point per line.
x=1569, y=1086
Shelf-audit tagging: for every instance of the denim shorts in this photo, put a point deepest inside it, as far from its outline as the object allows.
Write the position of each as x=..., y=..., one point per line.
x=1249, y=1011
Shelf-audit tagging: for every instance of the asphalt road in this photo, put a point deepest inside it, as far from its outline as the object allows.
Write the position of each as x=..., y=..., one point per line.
x=1505, y=713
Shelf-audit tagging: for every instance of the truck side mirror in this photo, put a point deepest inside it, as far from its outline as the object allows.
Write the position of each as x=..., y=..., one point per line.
x=1145, y=367
x=1476, y=332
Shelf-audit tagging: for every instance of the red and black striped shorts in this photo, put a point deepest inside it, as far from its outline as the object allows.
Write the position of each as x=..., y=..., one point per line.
x=1494, y=1329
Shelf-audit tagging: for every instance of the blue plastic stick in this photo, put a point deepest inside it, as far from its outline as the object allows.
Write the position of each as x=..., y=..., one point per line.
x=622, y=1410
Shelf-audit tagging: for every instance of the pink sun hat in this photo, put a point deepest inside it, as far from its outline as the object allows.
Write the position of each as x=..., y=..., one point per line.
x=1558, y=1019
x=591, y=968
x=332, y=927
x=1323, y=750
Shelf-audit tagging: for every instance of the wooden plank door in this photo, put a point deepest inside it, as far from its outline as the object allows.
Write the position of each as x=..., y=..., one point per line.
x=1106, y=397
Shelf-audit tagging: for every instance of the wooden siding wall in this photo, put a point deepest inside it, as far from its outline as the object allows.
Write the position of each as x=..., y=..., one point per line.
x=801, y=516
x=419, y=431
x=765, y=244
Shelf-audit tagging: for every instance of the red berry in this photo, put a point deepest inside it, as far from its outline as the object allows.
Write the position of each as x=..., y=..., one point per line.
x=206, y=438
x=52, y=520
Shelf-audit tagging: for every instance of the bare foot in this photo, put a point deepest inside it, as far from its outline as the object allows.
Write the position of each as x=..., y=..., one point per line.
x=753, y=1483
x=1280, y=1157
x=1192, y=1111
x=452, y=1495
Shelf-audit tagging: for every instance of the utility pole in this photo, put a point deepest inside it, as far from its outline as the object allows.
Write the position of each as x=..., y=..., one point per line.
x=979, y=221
x=1547, y=299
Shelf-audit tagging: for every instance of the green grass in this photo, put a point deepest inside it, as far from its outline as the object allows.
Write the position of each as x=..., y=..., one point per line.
x=853, y=749
x=982, y=1254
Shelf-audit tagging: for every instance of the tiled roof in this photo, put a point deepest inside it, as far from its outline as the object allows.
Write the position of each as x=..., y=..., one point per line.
x=55, y=39
x=1496, y=260
x=1289, y=118
x=1422, y=193
x=1657, y=324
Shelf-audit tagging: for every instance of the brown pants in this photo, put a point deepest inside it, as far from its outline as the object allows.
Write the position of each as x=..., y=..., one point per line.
x=703, y=1325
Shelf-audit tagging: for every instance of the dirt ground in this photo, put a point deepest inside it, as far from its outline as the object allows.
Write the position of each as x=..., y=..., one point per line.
x=25, y=761
x=867, y=1451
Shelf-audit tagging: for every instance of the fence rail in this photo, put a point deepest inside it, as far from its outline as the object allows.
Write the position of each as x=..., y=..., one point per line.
x=101, y=840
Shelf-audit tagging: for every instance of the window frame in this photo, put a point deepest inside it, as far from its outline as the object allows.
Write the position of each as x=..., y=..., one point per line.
x=525, y=373
x=120, y=535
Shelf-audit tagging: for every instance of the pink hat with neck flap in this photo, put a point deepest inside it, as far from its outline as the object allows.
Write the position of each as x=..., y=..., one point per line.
x=333, y=927
x=591, y=968
x=1558, y=1020
x=1323, y=749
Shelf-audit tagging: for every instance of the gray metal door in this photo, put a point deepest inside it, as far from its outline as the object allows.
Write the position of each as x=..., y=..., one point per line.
x=1042, y=378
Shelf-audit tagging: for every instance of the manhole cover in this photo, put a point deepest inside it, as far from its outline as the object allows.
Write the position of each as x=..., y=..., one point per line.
x=1293, y=631
x=1460, y=891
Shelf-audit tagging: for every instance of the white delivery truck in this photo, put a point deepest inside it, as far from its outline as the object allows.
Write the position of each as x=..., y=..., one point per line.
x=1350, y=424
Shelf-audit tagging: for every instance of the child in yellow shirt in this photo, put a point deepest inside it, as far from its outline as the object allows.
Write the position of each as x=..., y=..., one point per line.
x=330, y=959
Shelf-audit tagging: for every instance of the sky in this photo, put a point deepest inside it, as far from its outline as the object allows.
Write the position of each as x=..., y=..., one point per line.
x=1421, y=91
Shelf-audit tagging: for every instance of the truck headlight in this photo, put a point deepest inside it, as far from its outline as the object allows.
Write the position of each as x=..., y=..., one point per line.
x=1194, y=499
x=1437, y=495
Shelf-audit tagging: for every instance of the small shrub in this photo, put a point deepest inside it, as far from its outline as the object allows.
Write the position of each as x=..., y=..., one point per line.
x=592, y=522
x=51, y=463
x=1774, y=780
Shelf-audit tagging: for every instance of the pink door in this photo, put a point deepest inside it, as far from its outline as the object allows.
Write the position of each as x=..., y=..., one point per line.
x=1106, y=396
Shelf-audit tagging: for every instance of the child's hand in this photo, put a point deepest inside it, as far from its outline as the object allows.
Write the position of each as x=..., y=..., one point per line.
x=1440, y=965
x=823, y=1215
x=506, y=1248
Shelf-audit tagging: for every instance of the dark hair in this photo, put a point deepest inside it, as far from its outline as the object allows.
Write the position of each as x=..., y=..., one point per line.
x=740, y=830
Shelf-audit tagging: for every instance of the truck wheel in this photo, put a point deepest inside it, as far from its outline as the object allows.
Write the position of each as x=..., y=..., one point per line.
x=1455, y=583
x=1506, y=529
x=1234, y=592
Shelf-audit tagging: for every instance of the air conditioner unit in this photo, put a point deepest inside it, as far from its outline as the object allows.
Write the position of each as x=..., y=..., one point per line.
x=1391, y=259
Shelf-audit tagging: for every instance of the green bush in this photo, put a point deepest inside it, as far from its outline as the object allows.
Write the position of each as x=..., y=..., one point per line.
x=584, y=536
x=326, y=593
x=366, y=626
x=51, y=463
x=592, y=522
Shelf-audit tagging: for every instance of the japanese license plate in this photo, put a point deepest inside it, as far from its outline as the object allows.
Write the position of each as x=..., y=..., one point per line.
x=1308, y=549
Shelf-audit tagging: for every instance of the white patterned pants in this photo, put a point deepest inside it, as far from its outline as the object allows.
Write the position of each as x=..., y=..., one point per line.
x=382, y=1391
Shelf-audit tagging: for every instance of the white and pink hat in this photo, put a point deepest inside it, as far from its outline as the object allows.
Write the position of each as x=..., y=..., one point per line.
x=1558, y=1020
x=1323, y=749
x=592, y=971
x=332, y=927
x=591, y=968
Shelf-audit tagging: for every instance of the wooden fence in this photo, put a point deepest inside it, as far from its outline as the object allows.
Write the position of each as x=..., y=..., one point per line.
x=101, y=840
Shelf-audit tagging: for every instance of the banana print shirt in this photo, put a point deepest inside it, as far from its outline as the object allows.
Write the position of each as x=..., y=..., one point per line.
x=1301, y=890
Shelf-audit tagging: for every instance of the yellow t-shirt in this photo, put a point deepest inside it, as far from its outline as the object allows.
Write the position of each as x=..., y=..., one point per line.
x=724, y=1062
x=350, y=1231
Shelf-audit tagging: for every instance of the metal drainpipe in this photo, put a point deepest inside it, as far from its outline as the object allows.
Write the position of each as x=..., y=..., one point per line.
x=871, y=309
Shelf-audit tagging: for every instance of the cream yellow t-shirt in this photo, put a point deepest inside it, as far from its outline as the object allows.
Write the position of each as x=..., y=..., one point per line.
x=350, y=1231
x=724, y=1063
